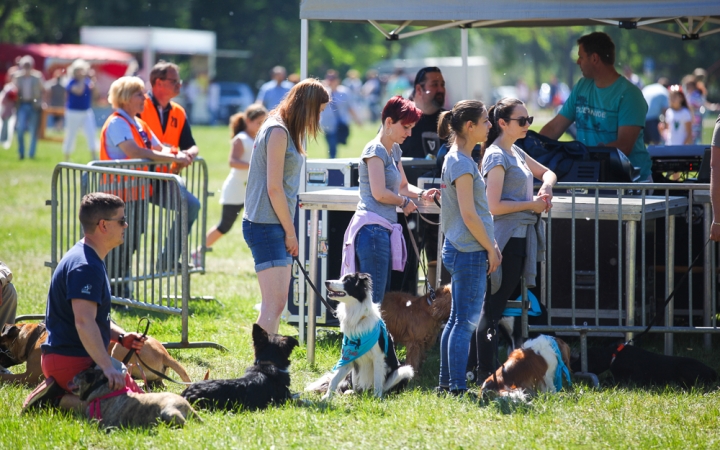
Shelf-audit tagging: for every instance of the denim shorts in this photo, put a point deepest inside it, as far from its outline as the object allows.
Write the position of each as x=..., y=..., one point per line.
x=267, y=244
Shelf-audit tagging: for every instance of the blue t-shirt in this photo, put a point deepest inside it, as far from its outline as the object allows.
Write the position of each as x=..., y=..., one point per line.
x=271, y=94
x=80, y=275
x=598, y=113
x=392, y=179
x=78, y=102
x=455, y=165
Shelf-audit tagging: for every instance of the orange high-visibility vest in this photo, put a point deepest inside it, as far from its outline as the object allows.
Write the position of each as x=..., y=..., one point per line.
x=114, y=184
x=174, y=125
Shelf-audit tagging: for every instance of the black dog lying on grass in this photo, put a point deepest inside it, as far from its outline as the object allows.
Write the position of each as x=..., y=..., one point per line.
x=630, y=364
x=266, y=382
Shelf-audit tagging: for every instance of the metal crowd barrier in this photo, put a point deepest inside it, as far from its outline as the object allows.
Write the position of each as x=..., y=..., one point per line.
x=600, y=273
x=150, y=270
x=195, y=178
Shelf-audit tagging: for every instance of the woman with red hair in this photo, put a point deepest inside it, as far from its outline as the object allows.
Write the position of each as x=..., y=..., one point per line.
x=374, y=243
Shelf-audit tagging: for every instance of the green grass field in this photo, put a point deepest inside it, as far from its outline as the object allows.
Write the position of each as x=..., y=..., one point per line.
x=580, y=417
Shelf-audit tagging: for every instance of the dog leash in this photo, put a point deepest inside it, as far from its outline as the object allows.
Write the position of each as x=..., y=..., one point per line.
x=312, y=285
x=429, y=289
x=670, y=297
x=127, y=358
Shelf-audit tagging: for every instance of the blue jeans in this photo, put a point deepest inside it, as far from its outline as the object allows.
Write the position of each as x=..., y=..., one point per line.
x=172, y=239
x=372, y=251
x=469, y=280
x=27, y=120
x=332, y=142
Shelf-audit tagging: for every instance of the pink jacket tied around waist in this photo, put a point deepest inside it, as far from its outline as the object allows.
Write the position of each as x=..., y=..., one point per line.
x=398, y=250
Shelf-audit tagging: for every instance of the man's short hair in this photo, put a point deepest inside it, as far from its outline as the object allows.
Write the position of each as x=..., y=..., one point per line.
x=600, y=44
x=159, y=71
x=422, y=74
x=97, y=206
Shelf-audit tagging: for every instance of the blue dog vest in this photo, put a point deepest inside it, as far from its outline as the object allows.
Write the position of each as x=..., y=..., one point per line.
x=354, y=347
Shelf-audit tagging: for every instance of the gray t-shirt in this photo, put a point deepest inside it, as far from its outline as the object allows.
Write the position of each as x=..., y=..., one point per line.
x=257, y=201
x=392, y=179
x=457, y=164
x=518, y=181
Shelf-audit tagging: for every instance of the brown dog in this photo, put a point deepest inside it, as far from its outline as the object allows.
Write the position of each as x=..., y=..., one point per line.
x=154, y=355
x=20, y=343
x=129, y=409
x=415, y=322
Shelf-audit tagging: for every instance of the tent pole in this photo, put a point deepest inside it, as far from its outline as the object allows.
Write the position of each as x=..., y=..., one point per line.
x=464, y=52
x=303, y=49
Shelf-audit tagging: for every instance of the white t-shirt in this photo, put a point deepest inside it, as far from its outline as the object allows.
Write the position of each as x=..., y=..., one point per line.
x=233, y=190
x=676, y=133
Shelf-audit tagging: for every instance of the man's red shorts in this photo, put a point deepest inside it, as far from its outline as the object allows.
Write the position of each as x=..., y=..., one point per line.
x=64, y=368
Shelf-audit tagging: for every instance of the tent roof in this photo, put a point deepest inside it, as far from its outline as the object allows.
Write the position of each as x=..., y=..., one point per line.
x=71, y=52
x=689, y=16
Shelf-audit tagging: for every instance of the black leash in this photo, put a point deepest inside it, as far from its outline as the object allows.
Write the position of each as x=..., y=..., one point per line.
x=672, y=294
x=130, y=354
x=312, y=285
x=429, y=289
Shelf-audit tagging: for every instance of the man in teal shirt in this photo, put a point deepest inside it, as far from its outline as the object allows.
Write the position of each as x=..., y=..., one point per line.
x=608, y=109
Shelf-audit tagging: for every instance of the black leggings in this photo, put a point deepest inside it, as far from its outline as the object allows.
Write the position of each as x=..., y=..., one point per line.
x=230, y=214
x=482, y=350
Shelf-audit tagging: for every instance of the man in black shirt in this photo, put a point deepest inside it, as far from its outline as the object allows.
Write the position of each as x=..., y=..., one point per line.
x=429, y=97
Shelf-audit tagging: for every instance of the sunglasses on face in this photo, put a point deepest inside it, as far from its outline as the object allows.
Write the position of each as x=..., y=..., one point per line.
x=522, y=121
x=122, y=221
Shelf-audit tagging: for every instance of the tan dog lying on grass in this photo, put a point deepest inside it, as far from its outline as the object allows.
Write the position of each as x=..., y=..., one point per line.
x=21, y=343
x=129, y=409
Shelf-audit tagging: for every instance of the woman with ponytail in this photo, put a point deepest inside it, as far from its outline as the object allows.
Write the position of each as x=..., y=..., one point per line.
x=469, y=251
x=374, y=242
x=519, y=231
x=243, y=128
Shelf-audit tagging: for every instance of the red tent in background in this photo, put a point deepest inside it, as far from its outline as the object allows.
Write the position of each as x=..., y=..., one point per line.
x=109, y=64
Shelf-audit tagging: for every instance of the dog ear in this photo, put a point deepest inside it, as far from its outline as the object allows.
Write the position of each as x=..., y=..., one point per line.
x=10, y=331
x=289, y=343
x=259, y=335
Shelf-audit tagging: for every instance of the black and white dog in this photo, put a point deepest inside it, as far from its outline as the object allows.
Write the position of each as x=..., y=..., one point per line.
x=368, y=350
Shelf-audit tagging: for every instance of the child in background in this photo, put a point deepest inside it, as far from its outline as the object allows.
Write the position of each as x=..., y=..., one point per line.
x=243, y=127
x=677, y=128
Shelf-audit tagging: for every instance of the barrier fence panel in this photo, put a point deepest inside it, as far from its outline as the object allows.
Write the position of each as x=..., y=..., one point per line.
x=150, y=269
x=195, y=179
x=611, y=261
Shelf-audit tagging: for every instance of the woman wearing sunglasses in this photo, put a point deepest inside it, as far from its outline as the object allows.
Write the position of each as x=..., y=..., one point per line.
x=509, y=174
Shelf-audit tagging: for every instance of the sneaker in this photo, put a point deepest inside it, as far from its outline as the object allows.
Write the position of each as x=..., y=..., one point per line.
x=46, y=393
x=441, y=390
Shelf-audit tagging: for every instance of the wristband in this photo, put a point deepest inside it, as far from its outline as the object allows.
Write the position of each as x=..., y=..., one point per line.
x=120, y=338
x=405, y=202
x=420, y=195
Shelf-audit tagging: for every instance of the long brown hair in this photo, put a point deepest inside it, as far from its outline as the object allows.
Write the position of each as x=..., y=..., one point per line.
x=300, y=110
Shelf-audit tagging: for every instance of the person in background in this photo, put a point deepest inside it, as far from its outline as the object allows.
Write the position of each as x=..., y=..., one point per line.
x=609, y=110
x=271, y=196
x=335, y=119
x=77, y=316
x=677, y=127
x=243, y=129
x=696, y=103
x=55, y=98
x=470, y=251
x=632, y=77
x=272, y=92
x=657, y=97
x=429, y=97
x=372, y=90
x=519, y=231
x=354, y=85
x=8, y=109
x=30, y=88
x=374, y=242
x=78, y=109
x=715, y=181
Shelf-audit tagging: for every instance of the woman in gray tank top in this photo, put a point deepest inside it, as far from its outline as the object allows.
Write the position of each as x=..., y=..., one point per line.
x=469, y=251
x=375, y=235
x=271, y=194
x=509, y=174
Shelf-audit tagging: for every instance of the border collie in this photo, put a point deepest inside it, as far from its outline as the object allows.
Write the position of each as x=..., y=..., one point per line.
x=539, y=366
x=368, y=352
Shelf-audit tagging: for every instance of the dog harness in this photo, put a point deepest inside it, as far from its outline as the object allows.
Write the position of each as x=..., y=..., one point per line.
x=94, y=406
x=354, y=347
x=561, y=368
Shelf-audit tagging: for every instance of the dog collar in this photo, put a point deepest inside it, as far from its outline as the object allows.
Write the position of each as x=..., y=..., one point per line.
x=270, y=363
x=615, y=353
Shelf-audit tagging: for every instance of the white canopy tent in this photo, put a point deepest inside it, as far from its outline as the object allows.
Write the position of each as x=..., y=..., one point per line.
x=692, y=19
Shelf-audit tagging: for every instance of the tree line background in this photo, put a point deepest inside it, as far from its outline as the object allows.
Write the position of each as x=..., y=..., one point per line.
x=270, y=29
